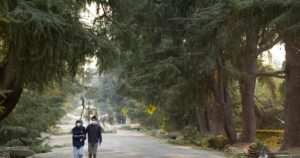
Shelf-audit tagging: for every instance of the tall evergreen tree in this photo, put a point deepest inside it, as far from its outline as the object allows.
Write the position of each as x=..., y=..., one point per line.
x=40, y=42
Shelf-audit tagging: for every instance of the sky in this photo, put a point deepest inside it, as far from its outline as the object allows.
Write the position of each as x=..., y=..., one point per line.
x=87, y=17
x=89, y=14
x=278, y=56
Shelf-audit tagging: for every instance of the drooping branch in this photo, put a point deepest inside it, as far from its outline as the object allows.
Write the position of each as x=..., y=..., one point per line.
x=278, y=74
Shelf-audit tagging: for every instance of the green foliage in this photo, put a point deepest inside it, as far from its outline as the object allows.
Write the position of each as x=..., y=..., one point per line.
x=46, y=40
x=44, y=148
x=269, y=103
x=260, y=146
x=169, y=52
x=272, y=138
x=217, y=142
x=191, y=135
x=35, y=113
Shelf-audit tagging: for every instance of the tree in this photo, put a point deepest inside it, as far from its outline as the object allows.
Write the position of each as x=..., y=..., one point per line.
x=40, y=42
x=292, y=109
x=22, y=128
x=171, y=79
x=289, y=31
x=242, y=35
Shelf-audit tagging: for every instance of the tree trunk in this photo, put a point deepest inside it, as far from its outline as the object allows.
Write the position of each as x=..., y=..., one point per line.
x=292, y=101
x=247, y=88
x=10, y=102
x=210, y=120
x=217, y=121
x=224, y=102
x=228, y=119
x=247, y=64
x=11, y=94
x=220, y=91
x=202, y=122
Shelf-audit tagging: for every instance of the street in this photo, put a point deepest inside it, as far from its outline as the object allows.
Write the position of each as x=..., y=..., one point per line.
x=129, y=144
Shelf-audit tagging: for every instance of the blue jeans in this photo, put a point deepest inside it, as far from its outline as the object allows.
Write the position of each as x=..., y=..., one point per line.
x=78, y=152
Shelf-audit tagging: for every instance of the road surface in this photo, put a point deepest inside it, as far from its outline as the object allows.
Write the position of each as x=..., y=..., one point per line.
x=128, y=144
x=124, y=144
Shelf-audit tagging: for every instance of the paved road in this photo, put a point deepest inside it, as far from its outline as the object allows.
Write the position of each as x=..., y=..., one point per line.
x=129, y=144
x=124, y=144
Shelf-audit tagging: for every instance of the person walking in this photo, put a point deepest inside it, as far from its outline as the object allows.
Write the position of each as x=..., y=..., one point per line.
x=94, y=132
x=79, y=137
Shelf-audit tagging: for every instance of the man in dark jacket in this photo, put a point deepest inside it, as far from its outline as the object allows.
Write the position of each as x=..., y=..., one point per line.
x=94, y=136
x=78, y=139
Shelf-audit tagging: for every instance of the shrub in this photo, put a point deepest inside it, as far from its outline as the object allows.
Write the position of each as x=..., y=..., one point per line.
x=41, y=148
x=266, y=134
x=260, y=146
x=218, y=142
x=270, y=137
x=14, y=142
x=191, y=135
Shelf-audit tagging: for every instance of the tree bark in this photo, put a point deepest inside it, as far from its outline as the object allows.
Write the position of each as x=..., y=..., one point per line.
x=224, y=102
x=10, y=102
x=220, y=91
x=202, y=123
x=247, y=88
x=292, y=100
x=228, y=118
x=217, y=121
x=13, y=92
x=247, y=64
x=210, y=121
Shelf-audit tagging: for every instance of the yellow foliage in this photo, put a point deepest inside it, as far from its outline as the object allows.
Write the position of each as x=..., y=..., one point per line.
x=272, y=138
x=266, y=134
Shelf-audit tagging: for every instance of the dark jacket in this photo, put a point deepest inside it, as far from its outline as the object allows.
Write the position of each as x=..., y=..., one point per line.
x=94, y=132
x=79, y=136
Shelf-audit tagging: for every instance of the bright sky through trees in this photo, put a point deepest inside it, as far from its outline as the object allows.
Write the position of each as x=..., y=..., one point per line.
x=278, y=56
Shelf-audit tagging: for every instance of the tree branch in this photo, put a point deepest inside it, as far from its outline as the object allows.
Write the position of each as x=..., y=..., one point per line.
x=105, y=13
x=278, y=74
x=269, y=46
